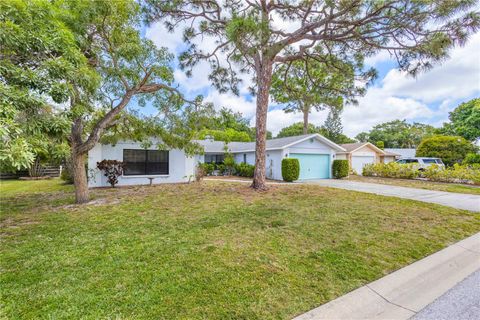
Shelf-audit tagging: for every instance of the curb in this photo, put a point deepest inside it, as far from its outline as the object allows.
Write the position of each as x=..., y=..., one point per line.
x=403, y=293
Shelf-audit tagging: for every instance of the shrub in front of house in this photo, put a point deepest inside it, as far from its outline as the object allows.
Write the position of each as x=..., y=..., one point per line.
x=454, y=174
x=472, y=158
x=290, y=169
x=112, y=170
x=244, y=170
x=340, y=169
x=390, y=170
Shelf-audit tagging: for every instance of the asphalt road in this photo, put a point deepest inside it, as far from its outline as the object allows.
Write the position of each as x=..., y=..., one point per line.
x=462, y=302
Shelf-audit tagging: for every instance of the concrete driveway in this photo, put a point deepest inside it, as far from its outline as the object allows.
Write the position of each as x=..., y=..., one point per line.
x=455, y=200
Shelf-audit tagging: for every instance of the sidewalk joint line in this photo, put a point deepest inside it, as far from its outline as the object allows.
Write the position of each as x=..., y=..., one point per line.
x=415, y=312
x=473, y=251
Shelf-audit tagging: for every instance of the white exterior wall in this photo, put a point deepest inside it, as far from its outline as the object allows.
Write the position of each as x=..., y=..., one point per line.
x=366, y=152
x=273, y=164
x=274, y=158
x=181, y=167
x=341, y=156
x=250, y=157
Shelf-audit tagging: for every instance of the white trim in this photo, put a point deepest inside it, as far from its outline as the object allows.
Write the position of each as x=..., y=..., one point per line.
x=320, y=138
x=146, y=176
x=374, y=147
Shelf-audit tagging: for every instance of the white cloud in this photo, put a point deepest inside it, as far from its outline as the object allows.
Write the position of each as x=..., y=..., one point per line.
x=163, y=38
x=236, y=103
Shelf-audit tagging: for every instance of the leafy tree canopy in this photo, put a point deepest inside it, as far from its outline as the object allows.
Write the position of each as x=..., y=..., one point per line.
x=464, y=121
x=451, y=149
x=397, y=134
x=90, y=58
x=250, y=36
x=296, y=129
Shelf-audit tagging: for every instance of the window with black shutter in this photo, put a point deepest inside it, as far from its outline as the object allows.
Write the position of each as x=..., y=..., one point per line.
x=145, y=162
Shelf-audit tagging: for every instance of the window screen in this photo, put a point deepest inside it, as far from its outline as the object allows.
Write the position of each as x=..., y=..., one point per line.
x=145, y=162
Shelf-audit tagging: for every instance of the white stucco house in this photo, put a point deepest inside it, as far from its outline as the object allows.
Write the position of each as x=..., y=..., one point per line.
x=362, y=153
x=315, y=153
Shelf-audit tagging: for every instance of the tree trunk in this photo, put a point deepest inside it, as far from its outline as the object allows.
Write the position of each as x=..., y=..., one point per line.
x=305, y=121
x=264, y=80
x=79, y=177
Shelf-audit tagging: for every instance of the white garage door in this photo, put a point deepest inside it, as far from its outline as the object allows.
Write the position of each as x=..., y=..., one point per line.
x=359, y=161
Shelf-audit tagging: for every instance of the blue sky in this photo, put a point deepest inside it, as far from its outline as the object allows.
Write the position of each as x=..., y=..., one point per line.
x=427, y=98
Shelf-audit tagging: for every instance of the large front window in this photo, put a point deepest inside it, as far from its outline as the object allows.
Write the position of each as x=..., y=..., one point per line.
x=214, y=158
x=145, y=162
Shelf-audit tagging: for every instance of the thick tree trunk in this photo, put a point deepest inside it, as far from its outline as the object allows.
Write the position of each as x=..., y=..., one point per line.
x=264, y=79
x=79, y=177
x=305, y=121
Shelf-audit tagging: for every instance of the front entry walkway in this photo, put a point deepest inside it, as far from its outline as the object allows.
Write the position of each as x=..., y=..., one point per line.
x=455, y=200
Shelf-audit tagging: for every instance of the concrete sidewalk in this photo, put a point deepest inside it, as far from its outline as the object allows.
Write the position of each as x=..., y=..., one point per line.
x=460, y=302
x=455, y=200
x=403, y=293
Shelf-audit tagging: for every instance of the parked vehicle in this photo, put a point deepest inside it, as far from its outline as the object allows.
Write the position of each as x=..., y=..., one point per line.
x=422, y=162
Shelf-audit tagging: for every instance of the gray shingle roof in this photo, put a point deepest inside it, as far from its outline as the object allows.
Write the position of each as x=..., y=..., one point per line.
x=352, y=146
x=272, y=144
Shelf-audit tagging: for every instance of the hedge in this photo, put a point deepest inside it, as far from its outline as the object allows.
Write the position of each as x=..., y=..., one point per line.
x=290, y=169
x=340, y=169
x=391, y=170
x=455, y=174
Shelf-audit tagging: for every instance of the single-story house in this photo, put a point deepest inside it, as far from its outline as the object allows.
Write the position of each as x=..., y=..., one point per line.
x=315, y=153
x=362, y=153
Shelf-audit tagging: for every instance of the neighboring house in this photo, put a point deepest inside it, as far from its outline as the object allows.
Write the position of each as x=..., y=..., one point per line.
x=315, y=153
x=362, y=153
x=402, y=152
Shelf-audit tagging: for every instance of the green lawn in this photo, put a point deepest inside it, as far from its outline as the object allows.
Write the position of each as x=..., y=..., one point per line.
x=422, y=184
x=216, y=250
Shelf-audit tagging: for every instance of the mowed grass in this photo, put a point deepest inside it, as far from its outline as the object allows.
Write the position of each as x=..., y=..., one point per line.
x=421, y=184
x=214, y=250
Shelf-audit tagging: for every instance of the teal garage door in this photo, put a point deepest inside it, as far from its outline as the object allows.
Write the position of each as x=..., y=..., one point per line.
x=313, y=166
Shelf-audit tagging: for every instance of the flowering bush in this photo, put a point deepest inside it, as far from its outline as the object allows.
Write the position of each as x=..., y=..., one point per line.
x=391, y=170
x=457, y=173
x=113, y=169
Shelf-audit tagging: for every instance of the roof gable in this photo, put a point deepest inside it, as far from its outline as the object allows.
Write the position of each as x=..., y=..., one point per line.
x=352, y=147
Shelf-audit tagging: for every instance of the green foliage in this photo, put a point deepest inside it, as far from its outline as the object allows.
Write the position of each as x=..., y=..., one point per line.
x=397, y=134
x=340, y=169
x=228, y=163
x=456, y=173
x=290, y=169
x=380, y=144
x=391, y=170
x=227, y=135
x=66, y=175
x=464, y=121
x=304, y=86
x=244, y=170
x=451, y=149
x=472, y=158
x=296, y=129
